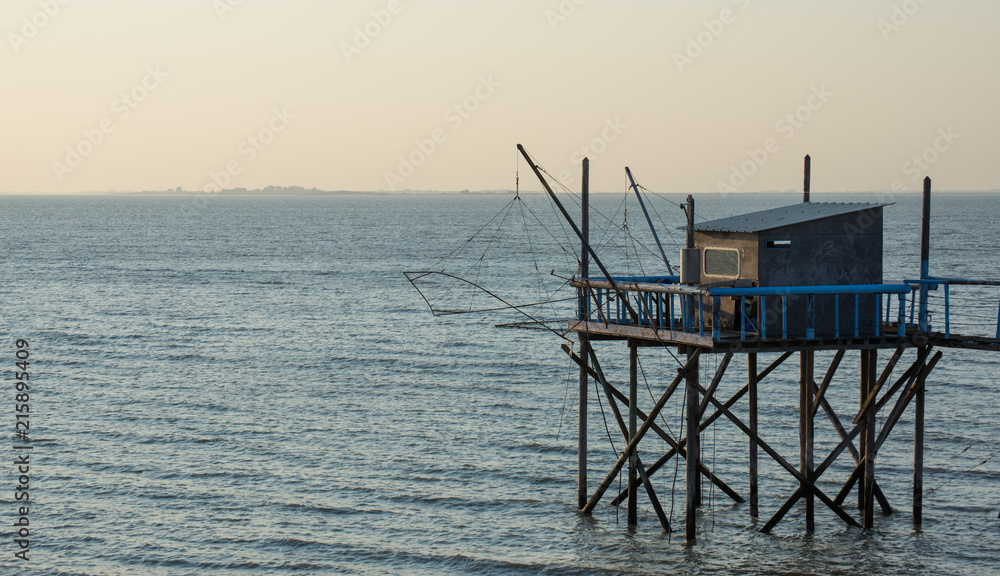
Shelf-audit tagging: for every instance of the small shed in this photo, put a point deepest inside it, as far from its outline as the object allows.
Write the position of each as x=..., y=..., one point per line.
x=806, y=244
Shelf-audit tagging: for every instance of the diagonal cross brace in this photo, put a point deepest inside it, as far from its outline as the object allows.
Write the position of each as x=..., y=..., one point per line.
x=630, y=448
x=806, y=483
x=674, y=444
x=624, y=430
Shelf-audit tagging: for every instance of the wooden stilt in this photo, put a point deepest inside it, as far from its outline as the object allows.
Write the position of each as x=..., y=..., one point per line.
x=806, y=438
x=693, y=447
x=839, y=427
x=914, y=383
x=752, y=409
x=918, y=453
x=867, y=492
x=581, y=480
x=633, y=475
x=581, y=451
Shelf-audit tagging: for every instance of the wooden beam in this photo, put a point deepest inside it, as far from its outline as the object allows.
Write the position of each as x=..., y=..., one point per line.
x=873, y=393
x=693, y=490
x=918, y=453
x=624, y=331
x=752, y=414
x=719, y=372
x=633, y=475
x=806, y=434
x=821, y=392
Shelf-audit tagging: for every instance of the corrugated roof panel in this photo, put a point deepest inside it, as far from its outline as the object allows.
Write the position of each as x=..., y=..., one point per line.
x=785, y=216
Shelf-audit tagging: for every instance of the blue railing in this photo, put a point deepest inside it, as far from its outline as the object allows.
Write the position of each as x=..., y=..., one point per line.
x=662, y=303
x=657, y=302
x=975, y=314
x=885, y=294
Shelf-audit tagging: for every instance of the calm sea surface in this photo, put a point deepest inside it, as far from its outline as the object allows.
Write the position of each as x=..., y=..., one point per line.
x=252, y=387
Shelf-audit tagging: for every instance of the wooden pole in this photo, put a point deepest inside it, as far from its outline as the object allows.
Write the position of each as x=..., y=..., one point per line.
x=693, y=459
x=633, y=475
x=925, y=253
x=752, y=402
x=867, y=492
x=805, y=179
x=806, y=433
x=918, y=450
x=581, y=479
x=693, y=492
x=579, y=233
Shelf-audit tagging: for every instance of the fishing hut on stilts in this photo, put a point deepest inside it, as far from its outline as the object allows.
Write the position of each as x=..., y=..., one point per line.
x=791, y=281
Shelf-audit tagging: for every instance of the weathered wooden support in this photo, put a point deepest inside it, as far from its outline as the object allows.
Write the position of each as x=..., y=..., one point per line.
x=877, y=387
x=867, y=492
x=693, y=491
x=918, y=453
x=633, y=475
x=821, y=391
x=915, y=383
x=716, y=380
x=905, y=381
x=782, y=462
x=752, y=416
x=806, y=433
x=842, y=433
x=581, y=480
x=805, y=179
x=603, y=487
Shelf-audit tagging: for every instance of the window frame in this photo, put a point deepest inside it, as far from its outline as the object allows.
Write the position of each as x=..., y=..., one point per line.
x=704, y=262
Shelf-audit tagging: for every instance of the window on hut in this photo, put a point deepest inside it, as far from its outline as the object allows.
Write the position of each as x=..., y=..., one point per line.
x=722, y=262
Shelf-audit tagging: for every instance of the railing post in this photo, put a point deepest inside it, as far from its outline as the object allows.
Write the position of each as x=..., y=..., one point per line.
x=743, y=318
x=901, y=321
x=763, y=317
x=810, y=316
x=857, y=315
x=925, y=244
x=784, y=317
x=947, y=314
x=836, y=316
x=716, y=318
x=998, y=318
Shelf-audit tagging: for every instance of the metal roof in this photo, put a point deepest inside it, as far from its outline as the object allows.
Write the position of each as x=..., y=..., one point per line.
x=785, y=216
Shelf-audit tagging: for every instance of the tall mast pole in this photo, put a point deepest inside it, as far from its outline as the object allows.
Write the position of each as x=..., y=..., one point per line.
x=648, y=220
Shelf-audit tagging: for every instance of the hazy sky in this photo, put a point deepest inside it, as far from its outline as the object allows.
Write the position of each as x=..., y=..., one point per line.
x=435, y=94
